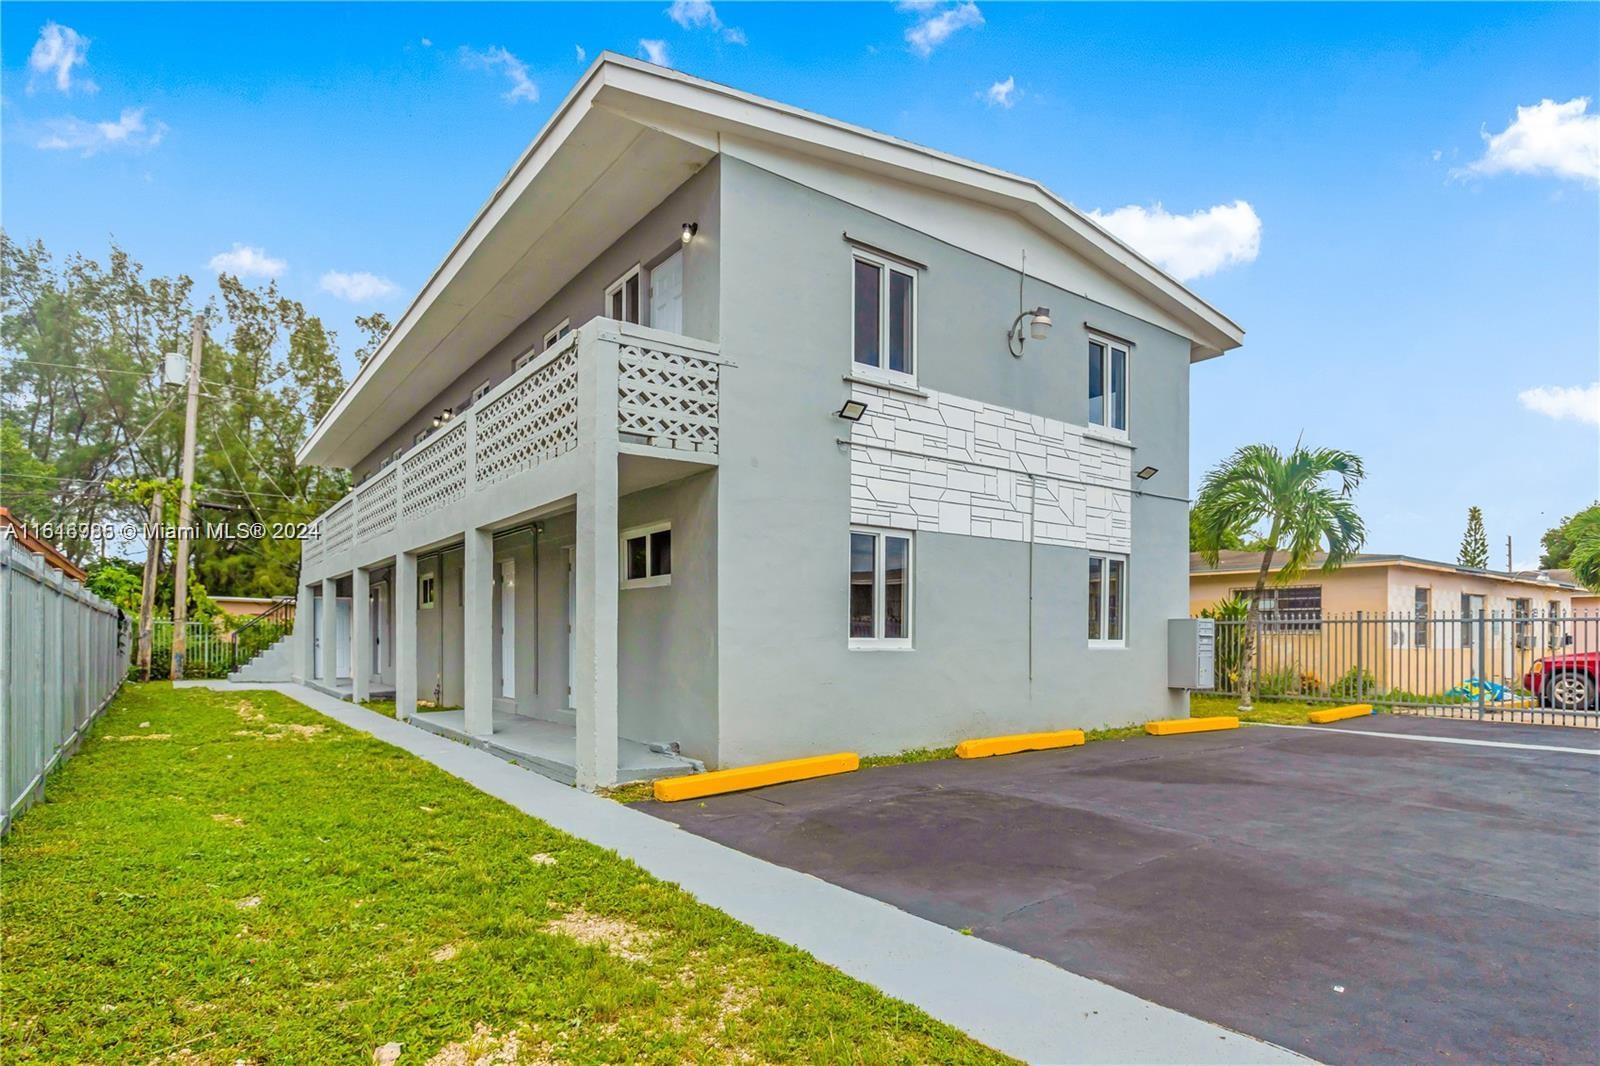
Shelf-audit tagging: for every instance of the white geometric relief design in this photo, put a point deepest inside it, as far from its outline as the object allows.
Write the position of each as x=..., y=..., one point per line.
x=947, y=464
x=533, y=421
x=669, y=398
x=436, y=473
x=376, y=504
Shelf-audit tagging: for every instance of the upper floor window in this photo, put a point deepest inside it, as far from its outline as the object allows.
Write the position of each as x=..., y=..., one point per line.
x=1108, y=385
x=622, y=297
x=481, y=391
x=556, y=334
x=885, y=315
x=647, y=556
x=1108, y=599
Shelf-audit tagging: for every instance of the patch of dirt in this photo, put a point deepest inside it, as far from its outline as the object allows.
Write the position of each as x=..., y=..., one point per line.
x=542, y=859
x=445, y=954
x=281, y=731
x=386, y=1055
x=143, y=736
x=485, y=1047
x=621, y=938
x=248, y=903
x=231, y=820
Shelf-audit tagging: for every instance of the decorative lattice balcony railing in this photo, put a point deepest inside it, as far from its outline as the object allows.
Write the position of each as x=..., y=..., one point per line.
x=668, y=396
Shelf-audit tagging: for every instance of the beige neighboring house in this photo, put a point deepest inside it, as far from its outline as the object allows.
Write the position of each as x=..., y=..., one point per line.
x=245, y=606
x=1303, y=634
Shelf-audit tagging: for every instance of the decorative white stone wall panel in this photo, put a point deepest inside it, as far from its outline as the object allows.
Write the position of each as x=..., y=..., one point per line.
x=947, y=464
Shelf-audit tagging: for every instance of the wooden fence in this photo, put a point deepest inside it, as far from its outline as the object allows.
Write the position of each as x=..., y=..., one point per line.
x=63, y=654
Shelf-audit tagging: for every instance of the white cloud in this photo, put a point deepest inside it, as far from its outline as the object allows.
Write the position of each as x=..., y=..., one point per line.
x=932, y=29
x=582, y=55
x=1003, y=93
x=522, y=86
x=1580, y=403
x=129, y=132
x=427, y=42
x=1188, y=246
x=1562, y=140
x=247, y=261
x=59, y=49
x=701, y=15
x=359, y=287
x=655, y=51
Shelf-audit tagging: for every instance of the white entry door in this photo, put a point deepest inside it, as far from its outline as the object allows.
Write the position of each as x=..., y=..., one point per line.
x=380, y=628
x=316, y=638
x=341, y=638
x=508, y=629
x=572, y=621
x=666, y=294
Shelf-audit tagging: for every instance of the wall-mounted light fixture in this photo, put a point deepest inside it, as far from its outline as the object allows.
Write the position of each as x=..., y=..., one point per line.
x=1147, y=473
x=1038, y=329
x=852, y=410
x=689, y=230
x=442, y=417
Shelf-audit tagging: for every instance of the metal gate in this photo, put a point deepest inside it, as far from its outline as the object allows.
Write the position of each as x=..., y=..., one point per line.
x=1532, y=667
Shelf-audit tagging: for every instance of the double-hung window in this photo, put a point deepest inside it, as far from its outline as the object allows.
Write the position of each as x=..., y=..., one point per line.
x=880, y=588
x=1108, y=600
x=1471, y=611
x=1108, y=384
x=556, y=334
x=647, y=556
x=622, y=296
x=1421, y=611
x=884, y=316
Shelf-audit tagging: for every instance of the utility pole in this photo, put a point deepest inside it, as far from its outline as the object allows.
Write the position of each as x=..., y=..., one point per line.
x=152, y=574
x=180, y=573
x=1509, y=566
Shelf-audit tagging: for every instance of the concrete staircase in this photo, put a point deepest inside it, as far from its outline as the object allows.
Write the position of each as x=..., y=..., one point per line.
x=275, y=663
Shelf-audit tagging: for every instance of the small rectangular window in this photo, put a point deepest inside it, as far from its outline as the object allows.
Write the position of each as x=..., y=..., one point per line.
x=482, y=390
x=522, y=360
x=1291, y=609
x=880, y=589
x=1421, y=611
x=420, y=436
x=556, y=334
x=1108, y=599
x=884, y=316
x=427, y=591
x=1108, y=385
x=1471, y=609
x=622, y=297
x=647, y=556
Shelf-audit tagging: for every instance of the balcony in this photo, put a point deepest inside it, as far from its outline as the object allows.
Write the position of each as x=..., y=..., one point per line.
x=519, y=447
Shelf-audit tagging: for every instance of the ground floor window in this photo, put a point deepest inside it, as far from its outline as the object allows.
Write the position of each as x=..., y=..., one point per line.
x=427, y=591
x=1108, y=599
x=880, y=588
x=647, y=556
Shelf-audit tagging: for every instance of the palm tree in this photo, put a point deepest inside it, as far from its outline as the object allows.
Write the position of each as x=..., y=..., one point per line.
x=1292, y=497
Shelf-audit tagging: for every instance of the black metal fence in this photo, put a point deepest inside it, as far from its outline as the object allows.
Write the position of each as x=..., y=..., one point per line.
x=1531, y=667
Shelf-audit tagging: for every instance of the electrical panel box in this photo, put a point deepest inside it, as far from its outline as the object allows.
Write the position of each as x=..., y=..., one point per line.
x=1191, y=653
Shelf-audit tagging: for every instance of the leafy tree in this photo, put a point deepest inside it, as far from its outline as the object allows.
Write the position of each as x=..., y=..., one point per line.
x=1291, y=498
x=1560, y=540
x=27, y=485
x=374, y=328
x=118, y=581
x=84, y=343
x=1584, y=559
x=1475, y=543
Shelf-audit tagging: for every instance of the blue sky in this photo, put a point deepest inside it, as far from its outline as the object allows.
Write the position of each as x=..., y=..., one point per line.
x=1416, y=262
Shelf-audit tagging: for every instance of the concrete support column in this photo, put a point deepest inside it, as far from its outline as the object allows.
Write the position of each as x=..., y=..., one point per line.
x=360, y=634
x=477, y=658
x=405, y=635
x=305, y=633
x=594, y=673
x=328, y=637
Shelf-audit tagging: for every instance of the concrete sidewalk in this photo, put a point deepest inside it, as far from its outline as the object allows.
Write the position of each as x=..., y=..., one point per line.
x=1016, y=1004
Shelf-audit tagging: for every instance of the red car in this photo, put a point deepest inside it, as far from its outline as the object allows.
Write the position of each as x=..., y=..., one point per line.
x=1568, y=682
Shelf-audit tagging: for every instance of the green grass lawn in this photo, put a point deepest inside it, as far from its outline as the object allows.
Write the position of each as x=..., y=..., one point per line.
x=224, y=876
x=1281, y=712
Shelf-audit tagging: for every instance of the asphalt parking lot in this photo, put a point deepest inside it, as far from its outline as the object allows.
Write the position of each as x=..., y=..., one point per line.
x=1353, y=897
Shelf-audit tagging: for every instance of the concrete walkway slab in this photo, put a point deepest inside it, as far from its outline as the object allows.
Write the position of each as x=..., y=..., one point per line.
x=1016, y=1004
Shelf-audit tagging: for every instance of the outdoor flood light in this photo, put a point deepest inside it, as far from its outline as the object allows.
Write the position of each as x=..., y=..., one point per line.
x=852, y=410
x=442, y=417
x=1038, y=329
x=1147, y=473
x=689, y=230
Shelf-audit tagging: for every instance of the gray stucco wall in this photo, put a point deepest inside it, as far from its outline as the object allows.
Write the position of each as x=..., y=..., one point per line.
x=652, y=239
x=788, y=684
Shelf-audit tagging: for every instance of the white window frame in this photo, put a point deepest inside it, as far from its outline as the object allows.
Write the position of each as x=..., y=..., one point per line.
x=651, y=580
x=481, y=391
x=1106, y=559
x=420, y=436
x=564, y=327
x=1106, y=345
x=427, y=590
x=522, y=360
x=886, y=265
x=878, y=642
x=635, y=271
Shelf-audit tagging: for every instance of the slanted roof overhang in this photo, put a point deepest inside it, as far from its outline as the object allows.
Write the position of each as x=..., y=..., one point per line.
x=624, y=138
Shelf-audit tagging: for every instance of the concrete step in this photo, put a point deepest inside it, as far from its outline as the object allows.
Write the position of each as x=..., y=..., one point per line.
x=275, y=663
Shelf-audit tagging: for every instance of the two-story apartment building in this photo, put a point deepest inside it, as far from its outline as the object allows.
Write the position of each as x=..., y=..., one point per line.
x=729, y=432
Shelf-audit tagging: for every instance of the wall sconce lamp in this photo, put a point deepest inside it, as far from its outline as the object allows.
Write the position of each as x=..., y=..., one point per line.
x=442, y=417
x=852, y=410
x=1147, y=473
x=1038, y=329
x=689, y=230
